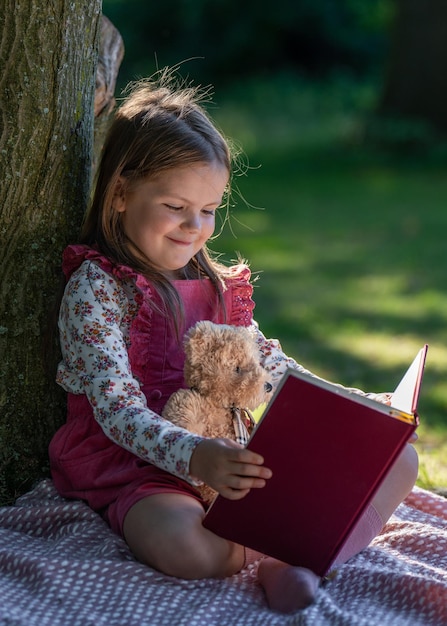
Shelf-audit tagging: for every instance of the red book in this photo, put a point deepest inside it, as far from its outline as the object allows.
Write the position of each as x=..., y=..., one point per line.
x=329, y=450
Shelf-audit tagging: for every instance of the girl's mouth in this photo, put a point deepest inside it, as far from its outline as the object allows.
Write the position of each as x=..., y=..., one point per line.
x=179, y=242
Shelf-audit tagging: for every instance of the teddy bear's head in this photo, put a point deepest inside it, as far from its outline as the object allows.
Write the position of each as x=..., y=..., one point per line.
x=223, y=362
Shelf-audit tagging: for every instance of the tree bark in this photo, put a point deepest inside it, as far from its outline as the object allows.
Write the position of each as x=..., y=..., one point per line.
x=416, y=82
x=48, y=56
x=111, y=52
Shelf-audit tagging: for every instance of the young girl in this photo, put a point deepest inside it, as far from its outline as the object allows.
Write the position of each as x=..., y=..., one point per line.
x=141, y=276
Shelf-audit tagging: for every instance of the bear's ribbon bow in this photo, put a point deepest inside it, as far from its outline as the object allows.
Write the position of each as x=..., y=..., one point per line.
x=243, y=424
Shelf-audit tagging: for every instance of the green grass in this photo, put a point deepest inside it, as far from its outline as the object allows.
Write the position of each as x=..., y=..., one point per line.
x=349, y=243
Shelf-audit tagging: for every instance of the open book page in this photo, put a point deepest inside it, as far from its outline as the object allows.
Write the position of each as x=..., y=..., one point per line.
x=406, y=394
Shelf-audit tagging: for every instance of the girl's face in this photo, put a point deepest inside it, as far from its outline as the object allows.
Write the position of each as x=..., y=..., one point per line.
x=170, y=216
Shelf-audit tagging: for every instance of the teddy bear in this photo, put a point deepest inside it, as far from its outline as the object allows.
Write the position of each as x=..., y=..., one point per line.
x=225, y=381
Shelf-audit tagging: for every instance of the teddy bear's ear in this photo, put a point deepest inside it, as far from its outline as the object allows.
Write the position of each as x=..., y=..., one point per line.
x=196, y=332
x=195, y=337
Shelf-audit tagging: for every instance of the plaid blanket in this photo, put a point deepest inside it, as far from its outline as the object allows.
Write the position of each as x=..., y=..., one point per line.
x=60, y=565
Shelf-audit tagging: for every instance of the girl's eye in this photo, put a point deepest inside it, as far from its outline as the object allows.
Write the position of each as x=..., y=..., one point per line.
x=206, y=212
x=174, y=208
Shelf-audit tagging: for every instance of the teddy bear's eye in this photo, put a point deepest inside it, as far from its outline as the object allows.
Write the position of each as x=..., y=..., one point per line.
x=238, y=369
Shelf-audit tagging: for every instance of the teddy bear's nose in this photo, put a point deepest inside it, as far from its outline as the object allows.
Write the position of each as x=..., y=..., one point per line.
x=268, y=387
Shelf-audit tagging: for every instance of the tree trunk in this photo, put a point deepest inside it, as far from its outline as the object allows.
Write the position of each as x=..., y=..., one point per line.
x=48, y=56
x=416, y=83
x=111, y=52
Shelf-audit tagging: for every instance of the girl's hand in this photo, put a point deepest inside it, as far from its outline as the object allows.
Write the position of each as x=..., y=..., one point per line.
x=228, y=467
x=386, y=398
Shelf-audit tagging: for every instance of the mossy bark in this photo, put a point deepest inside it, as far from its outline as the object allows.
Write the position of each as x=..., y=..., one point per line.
x=48, y=56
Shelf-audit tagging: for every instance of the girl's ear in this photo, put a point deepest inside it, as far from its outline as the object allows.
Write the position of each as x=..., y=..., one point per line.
x=119, y=195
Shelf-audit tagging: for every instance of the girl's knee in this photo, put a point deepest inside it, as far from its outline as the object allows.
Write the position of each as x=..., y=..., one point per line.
x=167, y=534
x=408, y=467
x=398, y=484
x=405, y=472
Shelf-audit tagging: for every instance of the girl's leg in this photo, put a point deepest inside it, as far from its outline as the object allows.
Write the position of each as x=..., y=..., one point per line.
x=398, y=484
x=395, y=488
x=281, y=581
x=165, y=531
x=287, y=588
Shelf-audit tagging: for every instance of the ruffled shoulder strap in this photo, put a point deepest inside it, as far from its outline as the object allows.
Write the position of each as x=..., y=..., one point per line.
x=238, y=296
x=74, y=255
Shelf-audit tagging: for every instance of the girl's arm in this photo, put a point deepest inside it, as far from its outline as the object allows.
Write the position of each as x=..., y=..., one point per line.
x=276, y=362
x=94, y=320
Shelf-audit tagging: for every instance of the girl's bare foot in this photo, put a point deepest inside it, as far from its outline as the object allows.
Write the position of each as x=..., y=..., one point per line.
x=287, y=588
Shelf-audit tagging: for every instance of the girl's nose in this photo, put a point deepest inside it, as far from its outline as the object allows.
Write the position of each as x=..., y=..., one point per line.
x=192, y=222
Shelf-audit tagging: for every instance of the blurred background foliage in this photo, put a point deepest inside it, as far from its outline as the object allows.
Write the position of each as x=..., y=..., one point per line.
x=237, y=39
x=340, y=206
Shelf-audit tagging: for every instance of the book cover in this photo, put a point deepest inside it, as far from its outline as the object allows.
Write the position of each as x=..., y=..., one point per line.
x=329, y=450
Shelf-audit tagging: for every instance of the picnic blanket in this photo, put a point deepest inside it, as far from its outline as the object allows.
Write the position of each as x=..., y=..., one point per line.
x=60, y=565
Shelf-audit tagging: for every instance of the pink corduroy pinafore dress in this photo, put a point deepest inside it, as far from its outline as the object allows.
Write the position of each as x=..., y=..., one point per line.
x=88, y=465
